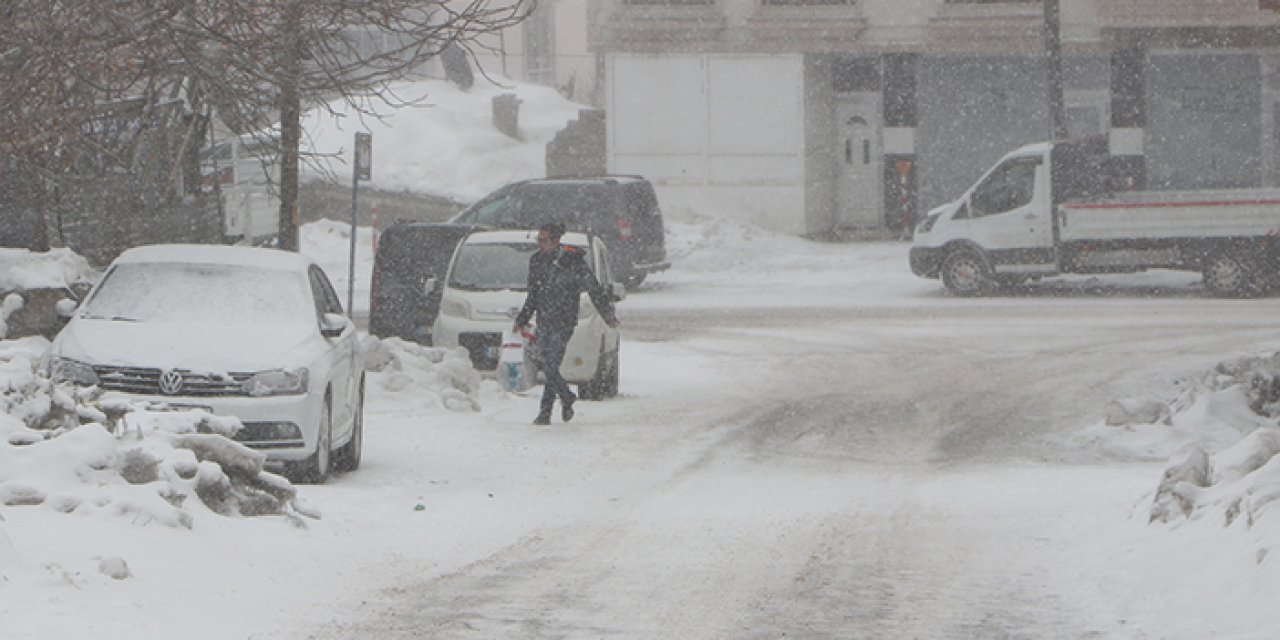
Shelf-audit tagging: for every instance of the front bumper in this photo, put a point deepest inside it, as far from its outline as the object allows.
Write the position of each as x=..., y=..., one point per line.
x=926, y=262
x=651, y=267
x=581, y=356
x=286, y=428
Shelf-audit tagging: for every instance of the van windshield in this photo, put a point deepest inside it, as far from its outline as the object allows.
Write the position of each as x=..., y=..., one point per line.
x=492, y=267
x=495, y=267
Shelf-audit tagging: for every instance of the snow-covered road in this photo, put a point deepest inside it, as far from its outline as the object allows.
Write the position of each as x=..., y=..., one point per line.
x=868, y=465
x=810, y=442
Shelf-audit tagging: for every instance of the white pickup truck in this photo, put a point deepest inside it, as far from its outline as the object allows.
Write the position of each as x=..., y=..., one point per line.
x=1054, y=208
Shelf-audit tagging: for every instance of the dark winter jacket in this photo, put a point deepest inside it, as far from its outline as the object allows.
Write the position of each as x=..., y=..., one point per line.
x=556, y=282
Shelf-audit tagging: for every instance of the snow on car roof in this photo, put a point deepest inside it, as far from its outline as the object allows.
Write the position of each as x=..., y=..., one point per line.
x=508, y=236
x=215, y=254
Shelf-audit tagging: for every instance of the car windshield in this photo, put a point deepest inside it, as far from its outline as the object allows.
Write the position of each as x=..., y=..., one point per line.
x=171, y=292
x=485, y=267
x=493, y=267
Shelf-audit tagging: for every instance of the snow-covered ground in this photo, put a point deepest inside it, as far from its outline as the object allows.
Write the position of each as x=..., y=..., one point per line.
x=438, y=451
x=453, y=471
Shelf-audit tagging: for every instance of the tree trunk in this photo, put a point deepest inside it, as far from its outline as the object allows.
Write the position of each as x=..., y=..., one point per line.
x=290, y=125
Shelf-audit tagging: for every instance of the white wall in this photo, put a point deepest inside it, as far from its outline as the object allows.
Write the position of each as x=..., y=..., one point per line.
x=719, y=134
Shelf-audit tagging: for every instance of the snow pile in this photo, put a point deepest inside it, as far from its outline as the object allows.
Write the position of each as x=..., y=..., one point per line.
x=22, y=269
x=444, y=142
x=8, y=306
x=396, y=366
x=1220, y=436
x=79, y=451
x=1238, y=481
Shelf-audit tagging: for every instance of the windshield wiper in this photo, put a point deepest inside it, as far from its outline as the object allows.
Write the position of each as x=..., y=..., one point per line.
x=112, y=318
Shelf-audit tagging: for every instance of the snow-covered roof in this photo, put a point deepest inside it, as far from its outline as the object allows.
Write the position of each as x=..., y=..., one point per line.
x=215, y=254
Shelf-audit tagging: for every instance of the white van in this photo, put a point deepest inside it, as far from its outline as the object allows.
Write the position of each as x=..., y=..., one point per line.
x=485, y=287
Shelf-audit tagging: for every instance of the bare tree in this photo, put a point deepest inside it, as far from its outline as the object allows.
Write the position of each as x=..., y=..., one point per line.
x=71, y=69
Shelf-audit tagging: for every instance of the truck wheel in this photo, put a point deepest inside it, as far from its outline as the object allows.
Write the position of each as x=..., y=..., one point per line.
x=965, y=273
x=634, y=280
x=1228, y=276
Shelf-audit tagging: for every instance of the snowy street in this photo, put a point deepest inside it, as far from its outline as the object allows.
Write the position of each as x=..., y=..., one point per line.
x=889, y=466
x=809, y=442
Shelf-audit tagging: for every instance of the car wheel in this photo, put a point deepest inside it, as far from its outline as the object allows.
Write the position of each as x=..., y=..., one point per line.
x=594, y=389
x=315, y=469
x=965, y=273
x=347, y=458
x=1228, y=275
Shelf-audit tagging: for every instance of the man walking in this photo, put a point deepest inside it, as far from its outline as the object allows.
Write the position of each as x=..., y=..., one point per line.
x=558, y=274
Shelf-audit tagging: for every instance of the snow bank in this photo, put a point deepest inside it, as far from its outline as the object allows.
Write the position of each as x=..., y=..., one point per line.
x=88, y=453
x=444, y=143
x=22, y=269
x=398, y=366
x=1221, y=436
x=82, y=452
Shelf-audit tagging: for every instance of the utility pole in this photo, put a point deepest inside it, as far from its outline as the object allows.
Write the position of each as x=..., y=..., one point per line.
x=1053, y=54
x=290, y=123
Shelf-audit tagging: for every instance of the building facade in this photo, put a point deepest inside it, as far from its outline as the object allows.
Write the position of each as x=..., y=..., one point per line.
x=813, y=116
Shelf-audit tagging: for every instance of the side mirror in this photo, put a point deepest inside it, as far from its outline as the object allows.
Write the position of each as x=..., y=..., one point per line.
x=618, y=291
x=430, y=285
x=332, y=325
x=64, y=308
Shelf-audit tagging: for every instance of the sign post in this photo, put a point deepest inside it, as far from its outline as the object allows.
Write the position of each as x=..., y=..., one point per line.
x=361, y=169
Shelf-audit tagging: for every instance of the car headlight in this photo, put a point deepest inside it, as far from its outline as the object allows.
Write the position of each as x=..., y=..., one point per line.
x=278, y=382
x=64, y=370
x=456, y=308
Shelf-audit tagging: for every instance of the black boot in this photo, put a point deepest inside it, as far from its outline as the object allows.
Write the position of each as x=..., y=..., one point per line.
x=544, y=418
x=566, y=410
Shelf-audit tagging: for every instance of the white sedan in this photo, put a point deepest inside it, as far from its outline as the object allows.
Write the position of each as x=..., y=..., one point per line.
x=258, y=334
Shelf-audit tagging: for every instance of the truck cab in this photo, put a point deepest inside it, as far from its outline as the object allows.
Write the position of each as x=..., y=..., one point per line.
x=1002, y=225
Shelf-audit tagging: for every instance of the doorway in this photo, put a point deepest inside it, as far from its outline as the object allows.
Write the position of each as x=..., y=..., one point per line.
x=859, y=161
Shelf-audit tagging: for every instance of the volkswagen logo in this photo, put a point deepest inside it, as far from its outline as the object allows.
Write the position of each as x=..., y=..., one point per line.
x=170, y=383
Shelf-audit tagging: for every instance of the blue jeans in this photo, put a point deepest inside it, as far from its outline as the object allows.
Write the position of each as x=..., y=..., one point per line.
x=551, y=346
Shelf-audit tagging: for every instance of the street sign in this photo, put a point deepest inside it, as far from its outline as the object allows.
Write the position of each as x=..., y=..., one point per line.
x=364, y=156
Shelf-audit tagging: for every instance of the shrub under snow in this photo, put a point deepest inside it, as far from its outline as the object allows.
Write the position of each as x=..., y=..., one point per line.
x=1239, y=481
x=81, y=451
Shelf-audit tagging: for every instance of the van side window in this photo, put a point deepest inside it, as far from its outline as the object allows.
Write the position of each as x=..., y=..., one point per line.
x=501, y=211
x=1008, y=187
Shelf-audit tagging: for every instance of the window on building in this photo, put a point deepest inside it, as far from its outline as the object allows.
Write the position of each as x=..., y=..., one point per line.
x=804, y=3
x=668, y=2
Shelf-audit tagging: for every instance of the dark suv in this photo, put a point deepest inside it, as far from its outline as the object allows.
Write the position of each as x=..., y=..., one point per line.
x=621, y=210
